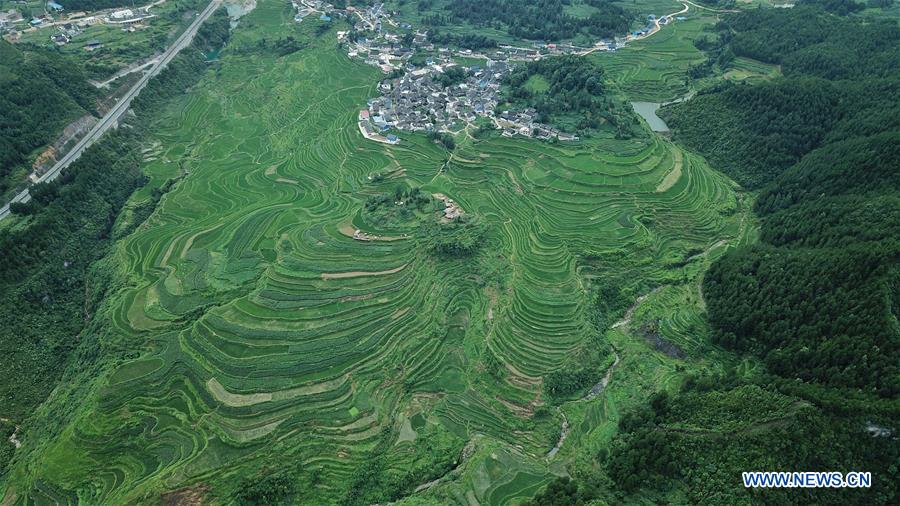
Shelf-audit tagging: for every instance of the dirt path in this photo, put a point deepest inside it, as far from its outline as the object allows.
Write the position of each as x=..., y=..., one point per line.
x=674, y=175
x=15, y=440
x=628, y=314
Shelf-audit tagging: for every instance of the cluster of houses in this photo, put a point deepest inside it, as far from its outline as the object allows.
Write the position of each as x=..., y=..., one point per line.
x=451, y=208
x=70, y=25
x=418, y=99
x=372, y=127
x=326, y=10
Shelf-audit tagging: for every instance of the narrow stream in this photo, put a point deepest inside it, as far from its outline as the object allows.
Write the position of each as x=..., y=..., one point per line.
x=601, y=385
x=563, y=432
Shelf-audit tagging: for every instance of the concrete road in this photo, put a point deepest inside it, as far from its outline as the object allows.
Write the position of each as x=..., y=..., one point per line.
x=112, y=117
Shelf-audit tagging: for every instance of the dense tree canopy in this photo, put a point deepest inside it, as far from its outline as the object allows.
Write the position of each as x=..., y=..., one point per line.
x=817, y=299
x=40, y=92
x=537, y=20
x=572, y=96
x=692, y=447
x=841, y=81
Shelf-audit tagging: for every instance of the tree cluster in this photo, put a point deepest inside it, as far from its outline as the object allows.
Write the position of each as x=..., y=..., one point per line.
x=452, y=76
x=430, y=456
x=41, y=91
x=398, y=207
x=538, y=20
x=444, y=138
x=458, y=238
x=575, y=98
x=695, y=444
x=270, y=488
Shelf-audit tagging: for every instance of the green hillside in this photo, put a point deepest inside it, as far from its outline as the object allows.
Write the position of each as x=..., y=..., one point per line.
x=266, y=307
x=245, y=327
x=40, y=92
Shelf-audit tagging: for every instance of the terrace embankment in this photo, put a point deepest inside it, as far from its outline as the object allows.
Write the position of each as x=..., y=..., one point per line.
x=252, y=331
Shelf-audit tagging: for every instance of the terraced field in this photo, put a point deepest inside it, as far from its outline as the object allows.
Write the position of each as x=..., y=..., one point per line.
x=752, y=71
x=653, y=69
x=253, y=332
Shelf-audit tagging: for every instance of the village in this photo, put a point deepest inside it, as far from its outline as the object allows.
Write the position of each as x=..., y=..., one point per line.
x=422, y=100
x=418, y=96
x=63, y=26
x=421, y=97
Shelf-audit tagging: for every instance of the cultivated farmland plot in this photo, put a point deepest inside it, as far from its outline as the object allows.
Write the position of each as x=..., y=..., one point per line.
x=255, y=332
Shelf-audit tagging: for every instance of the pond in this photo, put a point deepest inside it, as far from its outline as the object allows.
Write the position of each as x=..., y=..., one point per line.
x=647, y=110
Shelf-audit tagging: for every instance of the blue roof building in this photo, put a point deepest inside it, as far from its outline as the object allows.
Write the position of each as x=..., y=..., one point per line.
x=325, y=17
x=55, y=6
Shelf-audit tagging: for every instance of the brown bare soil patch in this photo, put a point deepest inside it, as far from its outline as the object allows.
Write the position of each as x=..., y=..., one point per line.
x=188, y=496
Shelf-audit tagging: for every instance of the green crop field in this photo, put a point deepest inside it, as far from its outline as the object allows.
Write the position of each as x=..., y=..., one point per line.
x=250, y=331
x=654, y=69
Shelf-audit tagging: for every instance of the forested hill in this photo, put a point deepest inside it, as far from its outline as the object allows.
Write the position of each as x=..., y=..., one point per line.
x=545, y=20
x=817, y=299
x=841, y=80
x=40, y=92
x=50, y=285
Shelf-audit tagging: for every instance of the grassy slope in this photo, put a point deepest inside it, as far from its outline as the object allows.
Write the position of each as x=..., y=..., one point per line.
x=228, y=353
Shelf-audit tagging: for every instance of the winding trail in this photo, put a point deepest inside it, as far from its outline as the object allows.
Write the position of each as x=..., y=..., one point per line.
x=628, y=314
x=601, y=385
x=467, y=452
